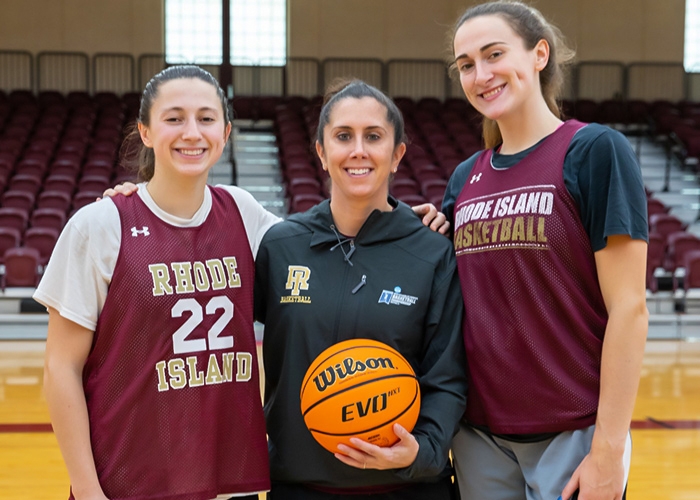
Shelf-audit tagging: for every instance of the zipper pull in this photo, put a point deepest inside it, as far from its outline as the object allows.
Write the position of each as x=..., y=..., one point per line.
x=360, y=284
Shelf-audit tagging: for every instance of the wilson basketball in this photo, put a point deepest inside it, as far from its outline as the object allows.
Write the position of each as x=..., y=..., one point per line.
x=359, y=388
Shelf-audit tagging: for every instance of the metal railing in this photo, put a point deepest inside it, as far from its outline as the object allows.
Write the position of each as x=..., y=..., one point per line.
x=599, y=80
x=62, y=71
x=417, y=78
x=303, y=76
x=16, y=70
x=113, y=73
x=649, y=81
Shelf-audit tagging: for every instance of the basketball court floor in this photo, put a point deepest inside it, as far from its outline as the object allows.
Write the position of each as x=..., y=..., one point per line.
x=665, y=431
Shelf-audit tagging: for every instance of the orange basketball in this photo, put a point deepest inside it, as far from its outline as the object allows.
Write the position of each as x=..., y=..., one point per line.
x=359, y=388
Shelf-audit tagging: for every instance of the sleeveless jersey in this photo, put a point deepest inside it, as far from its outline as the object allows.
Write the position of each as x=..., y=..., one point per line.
x=535, y=316
x=171, y=381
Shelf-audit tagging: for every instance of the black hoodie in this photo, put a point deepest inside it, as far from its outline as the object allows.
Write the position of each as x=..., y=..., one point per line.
x=314, y=288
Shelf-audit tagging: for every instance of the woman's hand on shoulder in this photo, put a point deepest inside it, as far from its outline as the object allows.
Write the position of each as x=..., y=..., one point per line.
x=127, y=189
x=432, y=218
x=364, y=455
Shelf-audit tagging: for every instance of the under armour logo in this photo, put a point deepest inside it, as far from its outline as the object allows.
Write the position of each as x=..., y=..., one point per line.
x=144, y=231
x=475, y=178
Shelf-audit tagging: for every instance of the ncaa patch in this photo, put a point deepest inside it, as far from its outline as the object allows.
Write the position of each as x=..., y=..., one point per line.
x=396, y=298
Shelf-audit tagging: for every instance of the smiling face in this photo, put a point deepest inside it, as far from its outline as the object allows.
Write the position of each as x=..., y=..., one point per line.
x=186, y=128
x=499, y=75
x=359, y=152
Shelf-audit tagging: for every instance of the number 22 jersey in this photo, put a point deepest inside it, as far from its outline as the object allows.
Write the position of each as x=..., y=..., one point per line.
x=171, y=381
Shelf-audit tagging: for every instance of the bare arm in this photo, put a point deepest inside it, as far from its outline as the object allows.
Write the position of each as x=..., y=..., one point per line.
x=67, y=347
x=621, y=267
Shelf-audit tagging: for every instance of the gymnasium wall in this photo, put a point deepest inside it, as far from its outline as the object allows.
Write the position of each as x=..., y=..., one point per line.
x=91, y=26
x=620, y=30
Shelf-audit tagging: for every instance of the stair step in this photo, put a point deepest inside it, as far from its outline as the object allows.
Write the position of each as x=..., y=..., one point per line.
x=257, y=162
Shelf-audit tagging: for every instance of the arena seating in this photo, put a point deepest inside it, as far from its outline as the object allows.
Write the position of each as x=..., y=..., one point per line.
x=441, y=135
x=57, y=153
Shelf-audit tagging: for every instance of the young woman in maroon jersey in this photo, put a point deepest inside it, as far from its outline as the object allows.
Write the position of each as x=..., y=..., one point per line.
x=549, y=227
x=151, y=370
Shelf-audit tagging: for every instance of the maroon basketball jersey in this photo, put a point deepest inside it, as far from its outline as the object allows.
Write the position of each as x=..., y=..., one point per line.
x=172, y=379
x=535, y=317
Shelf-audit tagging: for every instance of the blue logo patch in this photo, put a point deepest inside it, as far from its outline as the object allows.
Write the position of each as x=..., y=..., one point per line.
x=396, y=298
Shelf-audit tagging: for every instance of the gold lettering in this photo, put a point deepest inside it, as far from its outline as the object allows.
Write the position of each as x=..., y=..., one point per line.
x=162, y=380
x=531, y=229
x=494, y=230
x=183, y=275
x=505, y=229
x=227, y=361
x=467, y=235
x=161, y=277
x=244, y=367
x=234, y=279
x=477, y=233
x=298, y=279
x=519, y=229
x=178, y=377
x=218, y=276
x=196, y=378
x=201, y=280
x=213, y=372
x=484, y=231
x=541, y=237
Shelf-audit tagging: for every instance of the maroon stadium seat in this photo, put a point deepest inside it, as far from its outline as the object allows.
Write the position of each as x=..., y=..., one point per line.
x=18, y=199
x=21, y=267
x=9, y=238
x=48, y=217
x=59, y=200
x=13, y=217
x=43, y=239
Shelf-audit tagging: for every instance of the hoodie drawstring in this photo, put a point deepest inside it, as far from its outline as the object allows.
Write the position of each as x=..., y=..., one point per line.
x=340, y=244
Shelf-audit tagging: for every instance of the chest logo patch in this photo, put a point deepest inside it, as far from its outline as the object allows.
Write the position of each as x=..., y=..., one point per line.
x=475, y=178
x=297, y=281
x=396, y=298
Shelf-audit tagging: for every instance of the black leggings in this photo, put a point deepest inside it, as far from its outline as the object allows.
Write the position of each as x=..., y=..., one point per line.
x=441, y=490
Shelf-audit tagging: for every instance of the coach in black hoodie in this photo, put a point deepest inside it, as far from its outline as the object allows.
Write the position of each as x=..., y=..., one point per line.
x=360, y=266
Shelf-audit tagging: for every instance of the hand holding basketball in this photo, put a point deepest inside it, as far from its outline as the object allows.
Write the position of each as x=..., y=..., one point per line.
x=359, y=388
x=364, y=455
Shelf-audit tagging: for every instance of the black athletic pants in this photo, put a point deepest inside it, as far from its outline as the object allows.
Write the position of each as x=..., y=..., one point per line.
x=441, y=490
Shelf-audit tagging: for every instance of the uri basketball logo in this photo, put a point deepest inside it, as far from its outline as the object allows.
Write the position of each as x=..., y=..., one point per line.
x=297, y=280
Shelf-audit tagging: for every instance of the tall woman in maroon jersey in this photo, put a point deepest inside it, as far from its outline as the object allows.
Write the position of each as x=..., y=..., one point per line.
x=549, y=231
x=151, y=370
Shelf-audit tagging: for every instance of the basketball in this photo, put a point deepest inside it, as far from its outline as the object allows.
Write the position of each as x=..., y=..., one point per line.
x=359, y=388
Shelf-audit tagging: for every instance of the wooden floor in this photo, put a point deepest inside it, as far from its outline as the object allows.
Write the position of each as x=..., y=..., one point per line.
x=666, y=427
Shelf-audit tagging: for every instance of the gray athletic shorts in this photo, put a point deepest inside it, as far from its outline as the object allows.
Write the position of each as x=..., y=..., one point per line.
x=487, y=467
